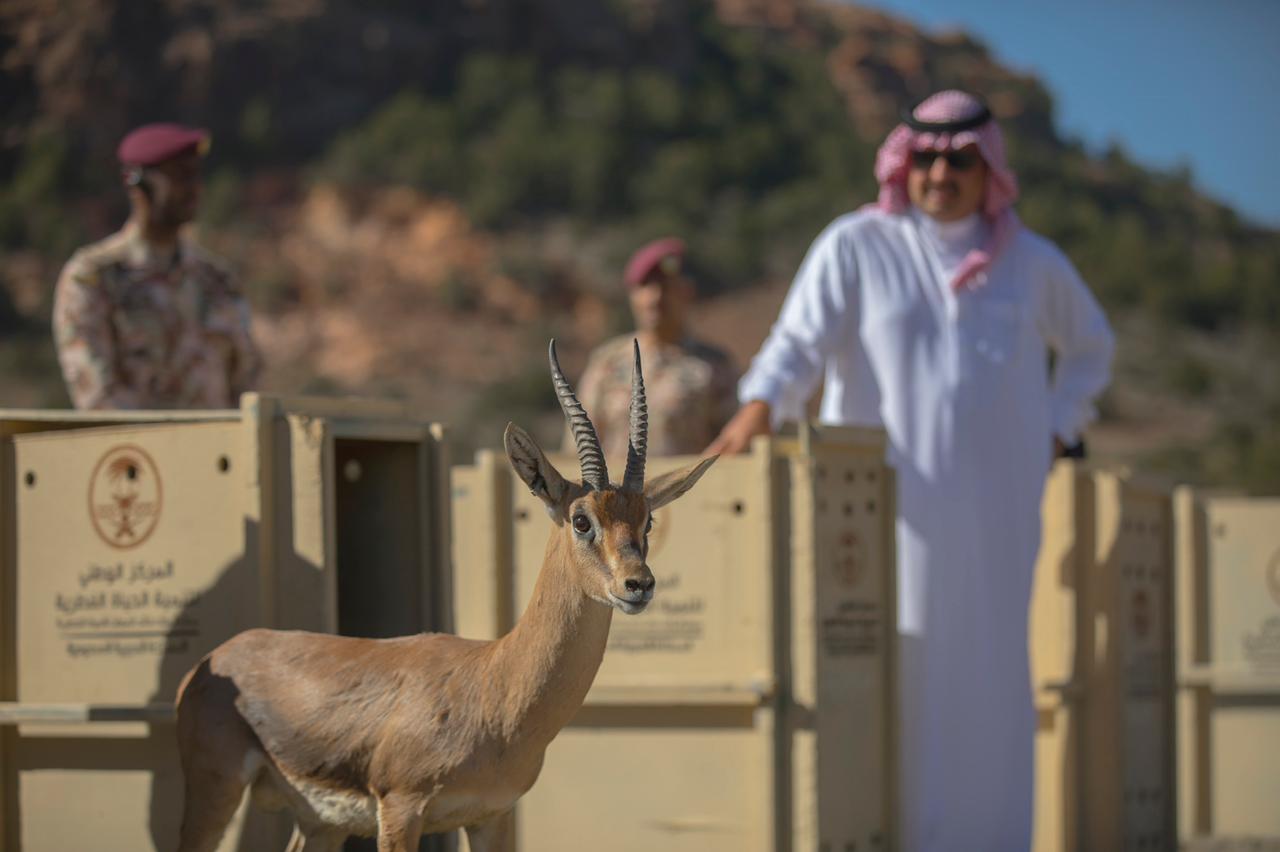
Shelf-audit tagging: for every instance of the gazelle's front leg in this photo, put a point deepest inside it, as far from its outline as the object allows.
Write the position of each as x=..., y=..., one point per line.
x=400, y=822
x=495, y=835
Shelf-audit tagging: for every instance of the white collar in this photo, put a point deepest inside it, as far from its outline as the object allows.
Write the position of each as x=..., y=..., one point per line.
x=959, y=236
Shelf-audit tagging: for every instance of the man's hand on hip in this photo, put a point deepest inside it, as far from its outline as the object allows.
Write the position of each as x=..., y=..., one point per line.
x=752, y=419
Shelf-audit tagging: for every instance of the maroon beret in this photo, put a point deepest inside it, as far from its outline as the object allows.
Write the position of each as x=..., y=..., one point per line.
x=665, y=253
x=155, y=143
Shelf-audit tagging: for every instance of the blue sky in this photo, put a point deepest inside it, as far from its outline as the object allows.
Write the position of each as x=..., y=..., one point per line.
x=1193, y=82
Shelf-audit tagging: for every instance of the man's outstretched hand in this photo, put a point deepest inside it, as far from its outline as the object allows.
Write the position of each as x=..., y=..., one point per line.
x=752, y=419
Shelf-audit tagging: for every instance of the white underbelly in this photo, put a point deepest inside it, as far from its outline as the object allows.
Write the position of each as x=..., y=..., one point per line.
x=356, y=813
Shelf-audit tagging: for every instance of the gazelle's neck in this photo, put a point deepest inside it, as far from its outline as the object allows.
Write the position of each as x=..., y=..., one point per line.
x=546, y=664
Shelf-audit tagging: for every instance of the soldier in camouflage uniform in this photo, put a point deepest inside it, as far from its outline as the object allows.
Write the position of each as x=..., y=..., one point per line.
x=691, y=385
x=147, y=319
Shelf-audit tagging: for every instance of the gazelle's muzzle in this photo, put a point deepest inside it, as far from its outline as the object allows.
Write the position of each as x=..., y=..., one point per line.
x=631, y=592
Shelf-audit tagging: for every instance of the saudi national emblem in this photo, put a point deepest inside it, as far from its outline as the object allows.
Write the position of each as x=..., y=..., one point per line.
x=124, y=496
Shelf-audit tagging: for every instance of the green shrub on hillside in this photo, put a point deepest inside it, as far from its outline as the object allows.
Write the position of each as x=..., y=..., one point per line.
x=753, y=152
x=33, y=211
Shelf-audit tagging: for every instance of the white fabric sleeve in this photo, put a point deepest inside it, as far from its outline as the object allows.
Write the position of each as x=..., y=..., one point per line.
x=788, y=366
x=1078, y=332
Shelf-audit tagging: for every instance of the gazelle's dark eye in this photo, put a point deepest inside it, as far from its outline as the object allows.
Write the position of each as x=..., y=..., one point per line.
x=648, y=525
x=581, y=524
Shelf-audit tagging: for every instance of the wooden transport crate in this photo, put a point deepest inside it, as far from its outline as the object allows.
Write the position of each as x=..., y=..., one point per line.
x=1228, y=661
x=751, y=706
x=1101, y=657
x=132, y=544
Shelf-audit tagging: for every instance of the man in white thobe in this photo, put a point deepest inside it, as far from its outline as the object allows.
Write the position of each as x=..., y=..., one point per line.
x=932, y=314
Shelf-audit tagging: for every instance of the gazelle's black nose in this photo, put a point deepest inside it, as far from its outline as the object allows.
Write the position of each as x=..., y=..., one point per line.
x=640, y=586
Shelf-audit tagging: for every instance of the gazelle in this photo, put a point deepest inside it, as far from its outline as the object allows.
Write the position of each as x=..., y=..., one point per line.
x=429, y=733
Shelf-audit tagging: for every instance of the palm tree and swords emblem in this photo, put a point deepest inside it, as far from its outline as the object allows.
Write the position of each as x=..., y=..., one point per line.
x=125, y=496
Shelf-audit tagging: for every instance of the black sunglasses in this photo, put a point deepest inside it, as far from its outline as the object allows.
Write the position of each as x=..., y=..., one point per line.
x=961, y=161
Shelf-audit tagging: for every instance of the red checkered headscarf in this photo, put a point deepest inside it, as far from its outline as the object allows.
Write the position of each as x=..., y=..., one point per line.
x=964, y=120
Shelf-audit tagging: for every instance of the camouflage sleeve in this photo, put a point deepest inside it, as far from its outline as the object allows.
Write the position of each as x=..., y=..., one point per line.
x=86, y=344
x=247, y=369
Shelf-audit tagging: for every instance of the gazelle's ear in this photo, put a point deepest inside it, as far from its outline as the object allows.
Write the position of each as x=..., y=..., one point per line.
x=533, y=468
x=663, y=489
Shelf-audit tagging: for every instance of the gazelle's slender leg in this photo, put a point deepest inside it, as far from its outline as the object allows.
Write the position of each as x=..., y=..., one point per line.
x=399, y=822
x=209, y=804
x=218, y=755
x=495, y=835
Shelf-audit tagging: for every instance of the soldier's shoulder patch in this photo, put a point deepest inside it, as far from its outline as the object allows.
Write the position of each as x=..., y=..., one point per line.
x=80, y=270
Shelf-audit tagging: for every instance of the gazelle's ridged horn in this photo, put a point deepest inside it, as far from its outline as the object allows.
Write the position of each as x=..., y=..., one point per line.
x=590, y=456
x=638, y=445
